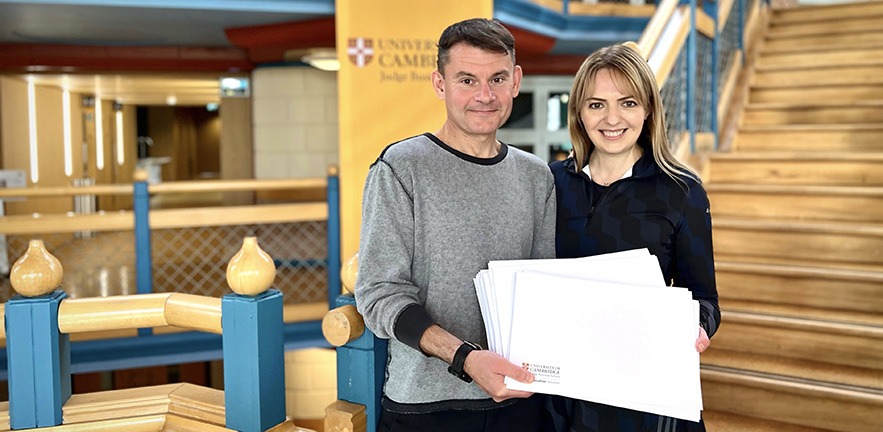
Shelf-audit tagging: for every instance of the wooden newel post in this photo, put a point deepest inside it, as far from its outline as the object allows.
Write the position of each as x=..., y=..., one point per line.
x=251, y=318
x=38, y=355
x=361, y=363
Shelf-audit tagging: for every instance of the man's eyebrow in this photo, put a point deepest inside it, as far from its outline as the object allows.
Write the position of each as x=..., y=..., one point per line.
x=464, y=74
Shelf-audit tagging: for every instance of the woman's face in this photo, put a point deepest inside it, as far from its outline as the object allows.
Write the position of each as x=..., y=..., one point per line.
x=612, y=119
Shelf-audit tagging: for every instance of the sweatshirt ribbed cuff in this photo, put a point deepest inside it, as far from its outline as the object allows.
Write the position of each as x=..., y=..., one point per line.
x=411, y=324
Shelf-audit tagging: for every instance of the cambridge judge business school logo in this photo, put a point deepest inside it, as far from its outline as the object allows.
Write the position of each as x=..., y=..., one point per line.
x=360, y=51
x=399, y=59
x=543, y=373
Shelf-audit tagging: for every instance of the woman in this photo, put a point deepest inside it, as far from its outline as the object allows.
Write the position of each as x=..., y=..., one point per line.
x=623, y=189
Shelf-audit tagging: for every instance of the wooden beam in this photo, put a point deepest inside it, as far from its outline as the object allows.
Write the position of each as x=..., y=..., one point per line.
x=342, y=416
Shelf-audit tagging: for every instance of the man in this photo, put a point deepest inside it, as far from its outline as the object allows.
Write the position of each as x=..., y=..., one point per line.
x=436, y=208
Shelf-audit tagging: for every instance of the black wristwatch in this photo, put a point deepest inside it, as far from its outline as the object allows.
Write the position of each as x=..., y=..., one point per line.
x=456, y=367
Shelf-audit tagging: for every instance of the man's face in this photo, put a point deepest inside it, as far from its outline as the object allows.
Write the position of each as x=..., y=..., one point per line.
x=478, y=87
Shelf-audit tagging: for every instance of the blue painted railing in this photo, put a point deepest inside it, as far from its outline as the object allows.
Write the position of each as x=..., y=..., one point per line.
x=148, y=349
x=40, y=361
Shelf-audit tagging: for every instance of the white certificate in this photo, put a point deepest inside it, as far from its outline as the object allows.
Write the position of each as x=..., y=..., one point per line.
x=625, y=345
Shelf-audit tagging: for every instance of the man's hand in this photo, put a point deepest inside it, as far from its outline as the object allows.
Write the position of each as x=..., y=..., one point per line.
x=702, y=342
x=488, y=369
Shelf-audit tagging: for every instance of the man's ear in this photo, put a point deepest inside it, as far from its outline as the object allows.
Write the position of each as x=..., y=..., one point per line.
x=438, y=84
x=516, y=80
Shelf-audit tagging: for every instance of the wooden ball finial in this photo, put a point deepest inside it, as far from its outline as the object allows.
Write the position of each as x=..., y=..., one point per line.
x=333, y=170
x=251, y=271
x=348, y=273
x=37, y=272
x=140, y=175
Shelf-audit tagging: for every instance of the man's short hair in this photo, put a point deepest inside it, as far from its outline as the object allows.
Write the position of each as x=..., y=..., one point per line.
x=483, y=33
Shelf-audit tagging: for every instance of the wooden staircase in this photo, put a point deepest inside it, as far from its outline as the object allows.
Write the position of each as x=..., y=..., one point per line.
x=798, y=232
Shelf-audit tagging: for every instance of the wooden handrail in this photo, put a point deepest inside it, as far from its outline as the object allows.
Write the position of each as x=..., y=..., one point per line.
x=164, y=218
x=663, y=62
x=238, y=215
x=236, y=185
x=724, y=8
x=653, y=31
x=188, y=311
x=168, y=187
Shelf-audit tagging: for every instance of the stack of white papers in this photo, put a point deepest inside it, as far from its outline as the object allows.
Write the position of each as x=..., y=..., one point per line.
x=604, y=329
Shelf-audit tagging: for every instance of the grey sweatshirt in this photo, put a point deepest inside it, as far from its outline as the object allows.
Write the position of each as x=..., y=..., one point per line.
x=432, y=217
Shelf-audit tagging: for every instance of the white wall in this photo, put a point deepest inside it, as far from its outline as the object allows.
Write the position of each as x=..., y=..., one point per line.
x=295, y=121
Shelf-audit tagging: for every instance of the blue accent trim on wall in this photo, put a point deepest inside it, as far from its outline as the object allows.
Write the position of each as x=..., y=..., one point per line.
x=293, y=6
x=569, y=31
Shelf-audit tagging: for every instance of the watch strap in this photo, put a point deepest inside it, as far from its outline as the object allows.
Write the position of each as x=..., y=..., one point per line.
x=459, y=361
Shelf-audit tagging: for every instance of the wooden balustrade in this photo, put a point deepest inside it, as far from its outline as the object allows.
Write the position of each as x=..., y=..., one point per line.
x=251, y=320
x=40, y=223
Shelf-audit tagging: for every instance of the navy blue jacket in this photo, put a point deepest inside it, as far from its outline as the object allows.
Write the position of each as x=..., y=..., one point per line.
x=647, y=210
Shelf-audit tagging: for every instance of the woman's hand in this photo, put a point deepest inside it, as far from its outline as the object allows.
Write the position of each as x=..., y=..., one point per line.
x=702, y=342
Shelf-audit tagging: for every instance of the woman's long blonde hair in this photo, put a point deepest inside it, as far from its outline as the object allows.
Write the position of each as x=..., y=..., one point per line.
x=632, y=71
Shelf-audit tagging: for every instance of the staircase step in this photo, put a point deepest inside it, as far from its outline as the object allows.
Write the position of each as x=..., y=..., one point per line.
x=725, y=422
x=840, y=93
x=794, y=402
x=870, y=323
x=800, y=286
x=825, y=27
x=820, y=75
x=859, y=137
x=797, y=202
x=851, y=56
x=809, y=370
x=797, y=168
x=829, y=342
x=810, y=43
x=800, y=242
x=864, y=111
x=823, y=13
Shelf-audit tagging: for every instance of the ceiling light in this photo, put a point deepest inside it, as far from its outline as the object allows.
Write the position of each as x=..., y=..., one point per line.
x=323, y=59
x=234, y=87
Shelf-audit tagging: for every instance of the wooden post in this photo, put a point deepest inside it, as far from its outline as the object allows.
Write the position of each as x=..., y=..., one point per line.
x=143, y=246
x=361, y=367
x=333, y=234
x=251, y=318
x=38, y=355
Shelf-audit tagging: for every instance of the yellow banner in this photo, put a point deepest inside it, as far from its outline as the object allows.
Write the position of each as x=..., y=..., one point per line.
x=387, y=51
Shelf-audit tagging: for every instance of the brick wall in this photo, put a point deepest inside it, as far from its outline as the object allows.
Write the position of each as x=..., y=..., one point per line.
x=295, y=121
